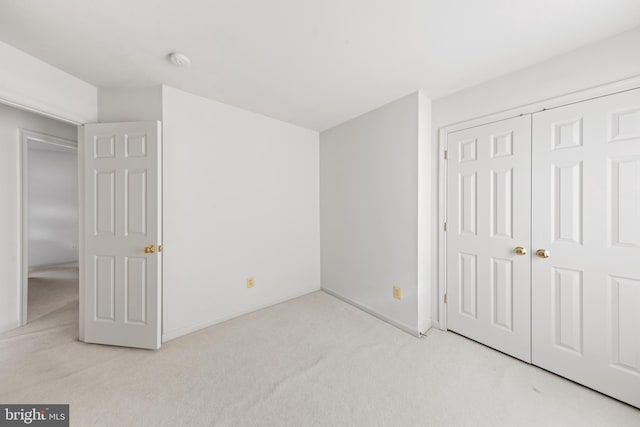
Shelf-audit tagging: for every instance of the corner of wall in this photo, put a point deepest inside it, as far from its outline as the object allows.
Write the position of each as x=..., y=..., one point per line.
x=424, y=212
x=266, y=224
x=130, y=104
x=373, y=196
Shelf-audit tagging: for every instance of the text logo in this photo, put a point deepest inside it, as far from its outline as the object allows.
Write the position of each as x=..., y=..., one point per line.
x=34, y=415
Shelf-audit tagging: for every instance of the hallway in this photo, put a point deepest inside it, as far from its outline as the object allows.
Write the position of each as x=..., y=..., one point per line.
x=52, y=291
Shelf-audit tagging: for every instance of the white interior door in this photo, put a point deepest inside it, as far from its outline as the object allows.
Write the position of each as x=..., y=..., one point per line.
x=488, y=217
x=122, y=234
x=586, y=214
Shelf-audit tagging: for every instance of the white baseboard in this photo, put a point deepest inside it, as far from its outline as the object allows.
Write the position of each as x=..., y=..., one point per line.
x=426, y=326
x=53, y=266
x=170, y=335
x=9, y=326
x=408, y=329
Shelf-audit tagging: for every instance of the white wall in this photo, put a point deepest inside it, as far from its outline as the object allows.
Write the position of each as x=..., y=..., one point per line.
x=11, y=121
x=241, y=198
x=33, y=84
x=130, y=105
x=53, y=204
x=604, y=62
x=369, y=202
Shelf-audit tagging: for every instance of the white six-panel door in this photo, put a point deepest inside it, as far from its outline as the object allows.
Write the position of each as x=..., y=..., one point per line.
x=586, y=215
x=583, y=216
x=122, y=232
x=488, y=217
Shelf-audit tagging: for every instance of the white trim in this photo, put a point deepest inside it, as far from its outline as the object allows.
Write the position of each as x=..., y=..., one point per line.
x=66, y=117
x=31, y=84
x=23, y=226
x=177, y=333
x=23, y=206
x=60, y=266
x=442, y=236
x=547, y=104
x=81, y=236
x=443, y=132
x=47, y=139
x=406, y=328
x=9, y=326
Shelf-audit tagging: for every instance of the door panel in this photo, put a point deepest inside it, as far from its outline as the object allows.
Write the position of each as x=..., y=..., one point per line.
x=489, y=202
x=586, y=214
x=122, y=217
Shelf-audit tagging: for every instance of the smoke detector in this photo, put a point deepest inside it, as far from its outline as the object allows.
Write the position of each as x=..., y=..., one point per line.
x=179, y=59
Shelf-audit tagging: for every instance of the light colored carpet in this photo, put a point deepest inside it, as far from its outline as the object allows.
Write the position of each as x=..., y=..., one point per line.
x=51, y=290
x=312, y=361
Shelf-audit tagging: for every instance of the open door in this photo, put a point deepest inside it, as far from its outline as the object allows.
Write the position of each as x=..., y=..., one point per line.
x=121, y=256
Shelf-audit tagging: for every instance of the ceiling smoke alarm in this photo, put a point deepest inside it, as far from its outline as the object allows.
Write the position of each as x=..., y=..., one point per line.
x=179, y=59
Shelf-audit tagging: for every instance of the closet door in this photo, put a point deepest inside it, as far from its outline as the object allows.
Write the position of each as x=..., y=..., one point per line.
x=489, y=218
x=586, y=243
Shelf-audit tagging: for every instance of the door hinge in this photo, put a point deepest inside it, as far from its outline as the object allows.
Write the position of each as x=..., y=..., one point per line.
x=446, y=299
x=445, y=227
x=446, y=154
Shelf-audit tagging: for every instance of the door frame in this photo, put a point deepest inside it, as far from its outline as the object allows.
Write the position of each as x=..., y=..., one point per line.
x=23, y=217
x=530, y=108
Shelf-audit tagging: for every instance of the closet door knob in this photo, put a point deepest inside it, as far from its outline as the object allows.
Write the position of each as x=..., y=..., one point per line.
x=520, y=250
x=542, y=253
x=149, y=249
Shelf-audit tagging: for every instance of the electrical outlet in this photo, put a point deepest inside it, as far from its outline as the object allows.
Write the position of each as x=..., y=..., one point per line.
x=251, y=282
x=397, y=292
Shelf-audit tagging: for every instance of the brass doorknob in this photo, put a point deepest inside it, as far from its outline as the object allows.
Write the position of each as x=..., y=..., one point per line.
x=542, y=253
x=520, y=250
x=149, y=249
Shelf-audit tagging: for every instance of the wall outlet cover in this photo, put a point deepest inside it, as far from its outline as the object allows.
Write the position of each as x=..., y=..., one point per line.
x=397, y=292
x=251, y=282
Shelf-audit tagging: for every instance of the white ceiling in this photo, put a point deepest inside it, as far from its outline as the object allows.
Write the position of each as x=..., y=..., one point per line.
x=315, y=63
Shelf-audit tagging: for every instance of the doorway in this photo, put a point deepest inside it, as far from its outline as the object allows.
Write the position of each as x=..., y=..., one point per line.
x=49, y=232
x=16, y=126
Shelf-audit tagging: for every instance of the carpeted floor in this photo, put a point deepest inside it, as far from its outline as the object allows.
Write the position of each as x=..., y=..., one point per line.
x=51, y=290
x=312, y=361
